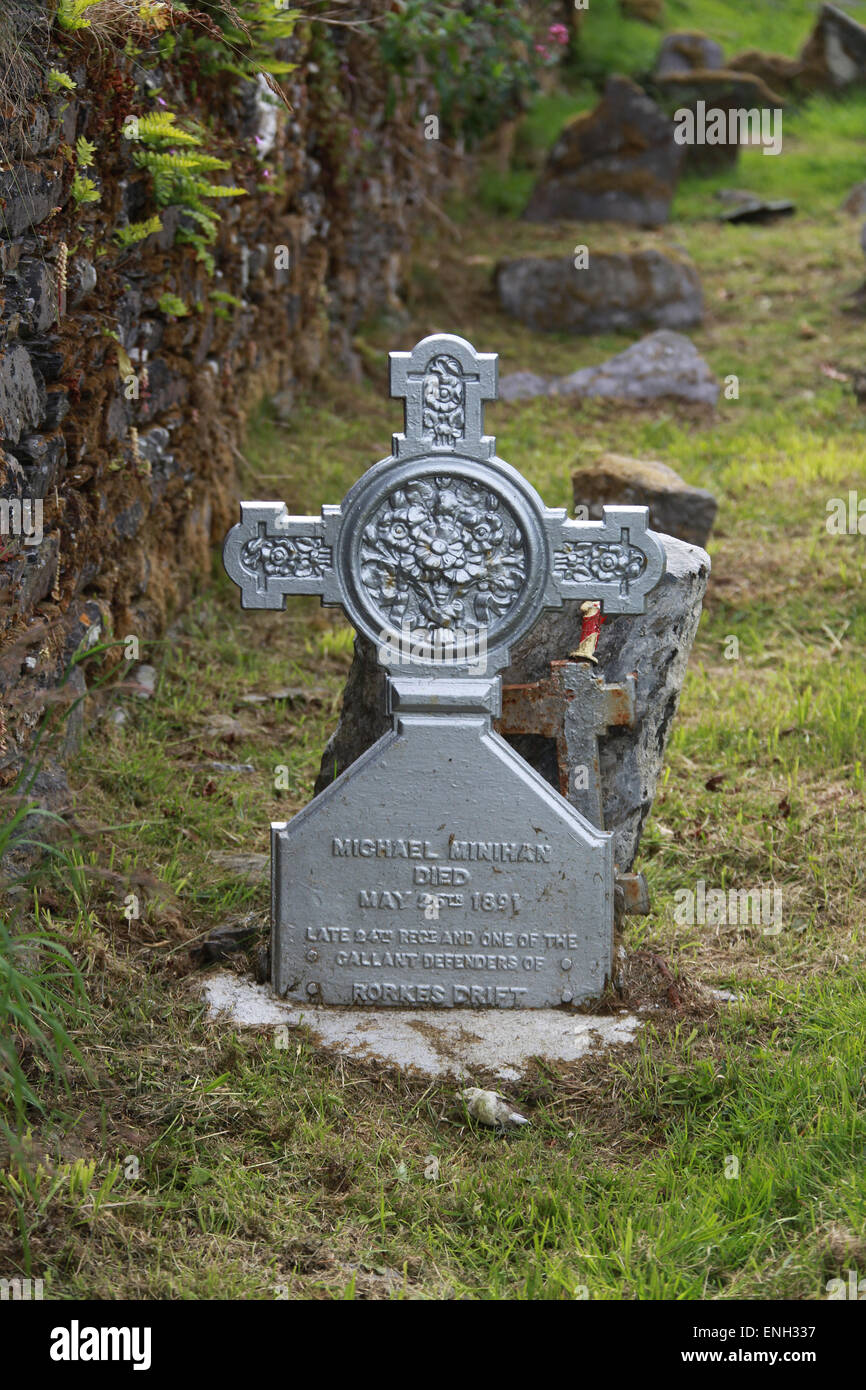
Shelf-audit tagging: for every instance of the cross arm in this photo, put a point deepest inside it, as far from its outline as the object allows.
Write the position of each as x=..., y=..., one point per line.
x=617, y=560
x=270, y=554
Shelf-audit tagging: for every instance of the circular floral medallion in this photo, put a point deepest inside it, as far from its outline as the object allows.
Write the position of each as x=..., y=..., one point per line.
x=443, y=552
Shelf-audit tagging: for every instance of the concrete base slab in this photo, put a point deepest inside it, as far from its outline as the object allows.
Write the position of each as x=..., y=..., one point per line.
x=456, y=1043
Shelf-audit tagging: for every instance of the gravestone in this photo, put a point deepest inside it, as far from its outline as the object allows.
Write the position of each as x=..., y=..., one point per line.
x=440, y=869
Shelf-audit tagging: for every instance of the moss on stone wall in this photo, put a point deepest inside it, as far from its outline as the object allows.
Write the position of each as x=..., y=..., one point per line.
x=127, y=371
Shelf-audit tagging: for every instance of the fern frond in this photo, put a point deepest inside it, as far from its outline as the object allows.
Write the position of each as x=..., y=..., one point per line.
x=158, y=161
x=137, y=231
x=159, y=127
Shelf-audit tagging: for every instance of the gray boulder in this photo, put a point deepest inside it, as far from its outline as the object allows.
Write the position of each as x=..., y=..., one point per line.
x=676, y=508
x=617, y=163
x=655, y=644
x=662, y=364
x=638, y=289
x=522, y=386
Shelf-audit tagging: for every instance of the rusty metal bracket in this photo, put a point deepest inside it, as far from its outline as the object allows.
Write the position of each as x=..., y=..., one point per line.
x=573, y=707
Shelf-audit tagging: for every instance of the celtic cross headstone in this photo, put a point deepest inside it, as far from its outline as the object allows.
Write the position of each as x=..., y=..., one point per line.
x=440, y=869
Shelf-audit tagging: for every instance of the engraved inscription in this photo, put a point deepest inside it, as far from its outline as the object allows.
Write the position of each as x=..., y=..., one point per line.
x=417, y=921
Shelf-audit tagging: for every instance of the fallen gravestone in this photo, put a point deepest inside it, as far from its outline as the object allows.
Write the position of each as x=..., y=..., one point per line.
x=614, y=291
x=834, y=56
x=440, y=869
x=659, y=365
x=617, y=163
x=675, y=507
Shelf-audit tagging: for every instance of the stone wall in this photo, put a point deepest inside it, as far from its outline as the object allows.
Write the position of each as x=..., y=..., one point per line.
x=137, y=477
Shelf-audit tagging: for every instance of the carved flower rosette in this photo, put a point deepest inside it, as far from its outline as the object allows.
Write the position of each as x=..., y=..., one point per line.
x=443, y=553
x=584, y=561
x=295, y=557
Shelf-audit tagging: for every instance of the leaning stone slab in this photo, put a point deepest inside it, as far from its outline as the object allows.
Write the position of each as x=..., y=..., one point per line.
x=655, y=644
x=617, y=163
x=676, y=508
x=616, y=290
x=661, y=364
x=834, y=56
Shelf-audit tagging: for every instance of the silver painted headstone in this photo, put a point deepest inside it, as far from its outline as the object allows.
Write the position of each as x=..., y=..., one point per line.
x=440, y=869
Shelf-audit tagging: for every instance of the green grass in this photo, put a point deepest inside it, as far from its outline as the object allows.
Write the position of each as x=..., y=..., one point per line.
x=718, y=1157
x=610, y=42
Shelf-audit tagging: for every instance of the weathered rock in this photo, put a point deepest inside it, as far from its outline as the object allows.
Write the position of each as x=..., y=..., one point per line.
x=781, y=74
x=855, y=203
x=834, y=55
x=656, y=645
x=617, y=163
x=42, y=458
x=522, y=386
x=662, y=364
x=686, y=50
x=616, y=290
x=676, y=508
x=22, y=394
x=235, y=934
x=82, y=280
x=32, y=574
x=27, y=196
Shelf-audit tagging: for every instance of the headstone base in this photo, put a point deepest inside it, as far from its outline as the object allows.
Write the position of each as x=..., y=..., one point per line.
x=463, y=1044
